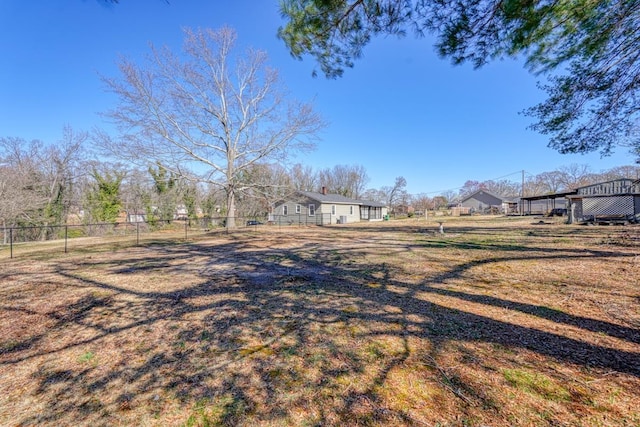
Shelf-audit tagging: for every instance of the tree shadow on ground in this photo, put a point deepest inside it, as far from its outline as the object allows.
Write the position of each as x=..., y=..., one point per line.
x=261, y=335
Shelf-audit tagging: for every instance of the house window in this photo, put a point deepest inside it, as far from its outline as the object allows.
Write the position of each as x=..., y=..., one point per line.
x=297, y=209
x=364, y=213
x=312, y=210
x=333, y=209
x=350, y=210
x=285, y=210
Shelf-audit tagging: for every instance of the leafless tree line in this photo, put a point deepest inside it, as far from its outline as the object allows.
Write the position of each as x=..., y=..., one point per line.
x=50, y=184
x=40, y=183
x=54, y=184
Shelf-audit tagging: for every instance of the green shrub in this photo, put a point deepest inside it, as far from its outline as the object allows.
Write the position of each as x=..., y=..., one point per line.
x=73, y=233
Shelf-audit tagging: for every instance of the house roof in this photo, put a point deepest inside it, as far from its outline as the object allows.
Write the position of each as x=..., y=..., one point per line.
x=482, y=191
x=339, y=199
x=511, y=200
x=550, y=196
x=630, y=186
x=372, y=203
x=631, y=181
x=574, y=193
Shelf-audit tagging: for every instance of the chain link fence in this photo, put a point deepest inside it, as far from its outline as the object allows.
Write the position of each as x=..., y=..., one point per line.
x=66, y=237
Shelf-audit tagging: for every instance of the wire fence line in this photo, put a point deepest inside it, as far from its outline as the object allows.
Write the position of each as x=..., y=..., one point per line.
x=61, y=237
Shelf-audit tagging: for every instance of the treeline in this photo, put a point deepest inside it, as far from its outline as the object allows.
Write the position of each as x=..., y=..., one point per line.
x=63, y=183
x=42, y=185
x=55, y=184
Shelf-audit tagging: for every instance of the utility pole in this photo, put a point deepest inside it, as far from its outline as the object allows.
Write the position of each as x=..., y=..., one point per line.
x=522, y=195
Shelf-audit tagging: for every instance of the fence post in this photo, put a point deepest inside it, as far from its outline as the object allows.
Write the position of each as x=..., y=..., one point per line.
x=137, y=234
x=11, y=242
x=66, y=233
x=185, y=230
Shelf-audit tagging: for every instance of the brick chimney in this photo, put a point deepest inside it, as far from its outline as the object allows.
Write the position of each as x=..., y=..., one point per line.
x=324, y=190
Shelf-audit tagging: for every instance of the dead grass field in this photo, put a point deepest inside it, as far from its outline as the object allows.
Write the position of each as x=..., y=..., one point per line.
x=497, y=322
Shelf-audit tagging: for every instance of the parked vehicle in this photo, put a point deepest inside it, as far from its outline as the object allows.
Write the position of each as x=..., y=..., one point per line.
x=253, y=222
x=558, y=212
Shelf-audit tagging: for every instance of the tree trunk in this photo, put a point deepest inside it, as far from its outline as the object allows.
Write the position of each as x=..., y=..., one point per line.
x=231, y=208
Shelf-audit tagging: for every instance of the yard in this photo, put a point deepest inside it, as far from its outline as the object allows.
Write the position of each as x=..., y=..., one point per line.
x=496, y=322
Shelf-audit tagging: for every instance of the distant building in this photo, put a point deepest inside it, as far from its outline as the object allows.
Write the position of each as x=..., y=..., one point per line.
x=322, y=208
x=483, y=201
x=181, y=213
x=606, y=201
x=136, y=216
x=616, y=200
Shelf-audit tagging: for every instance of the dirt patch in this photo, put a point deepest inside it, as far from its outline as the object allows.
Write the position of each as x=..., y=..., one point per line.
x=493, y=322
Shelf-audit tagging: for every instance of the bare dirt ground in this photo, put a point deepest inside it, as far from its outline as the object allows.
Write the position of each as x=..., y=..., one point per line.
x=497, y=322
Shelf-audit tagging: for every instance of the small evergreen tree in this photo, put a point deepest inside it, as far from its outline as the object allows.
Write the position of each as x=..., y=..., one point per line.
x=103, y=200
x=165, y=192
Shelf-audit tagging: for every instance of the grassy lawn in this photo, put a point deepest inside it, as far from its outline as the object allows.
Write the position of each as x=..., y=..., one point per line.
x=496, y=322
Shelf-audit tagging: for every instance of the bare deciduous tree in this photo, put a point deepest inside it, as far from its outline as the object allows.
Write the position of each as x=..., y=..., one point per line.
x=304, y=178
x=208, y=115
x=348, y=181
x=442, y=200
x=422, y=203
x=575, y=175
x=19, y=180
x=547, y=183
x=618, y=172
x=37, y=181
x=397, y=193
x=265, y=184
x=373, y=194
x=62, y=166
x=503, y=188
x=136, y=191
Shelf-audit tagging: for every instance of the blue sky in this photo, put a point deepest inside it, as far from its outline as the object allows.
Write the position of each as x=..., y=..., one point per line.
x=402, y=111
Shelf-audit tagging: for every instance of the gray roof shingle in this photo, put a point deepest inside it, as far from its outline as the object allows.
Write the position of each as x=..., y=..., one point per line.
x=339, y=199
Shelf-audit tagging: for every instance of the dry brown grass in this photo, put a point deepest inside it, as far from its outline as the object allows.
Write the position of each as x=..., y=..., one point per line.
x=497, y=322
